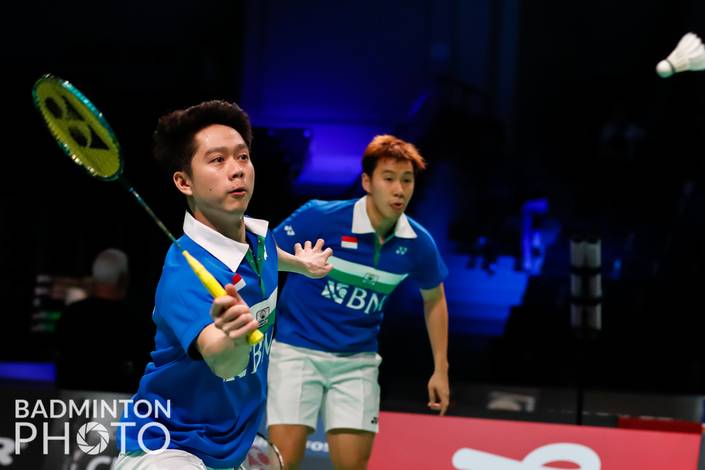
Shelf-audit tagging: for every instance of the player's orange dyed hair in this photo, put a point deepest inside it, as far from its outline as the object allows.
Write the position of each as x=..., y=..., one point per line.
x=388, y=146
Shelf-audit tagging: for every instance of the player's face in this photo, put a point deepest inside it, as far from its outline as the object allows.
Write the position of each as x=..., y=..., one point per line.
x=222, y=176
x=390, y=187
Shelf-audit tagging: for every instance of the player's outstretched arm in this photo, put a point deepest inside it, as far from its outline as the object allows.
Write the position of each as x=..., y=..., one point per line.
x=311, y=261
x=436, y=312
x=223, y=344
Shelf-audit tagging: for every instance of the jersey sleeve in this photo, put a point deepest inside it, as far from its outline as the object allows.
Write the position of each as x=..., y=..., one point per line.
x=298, y=227
x=182, y=305
x=429, y=269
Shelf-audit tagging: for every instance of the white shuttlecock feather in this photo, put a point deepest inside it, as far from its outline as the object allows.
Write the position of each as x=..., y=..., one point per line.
x=689, y=54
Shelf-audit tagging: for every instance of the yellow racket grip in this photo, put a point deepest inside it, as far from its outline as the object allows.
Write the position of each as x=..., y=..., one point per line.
x=216, y=290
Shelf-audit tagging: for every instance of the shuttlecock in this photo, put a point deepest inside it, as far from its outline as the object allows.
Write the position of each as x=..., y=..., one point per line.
x=689, y=54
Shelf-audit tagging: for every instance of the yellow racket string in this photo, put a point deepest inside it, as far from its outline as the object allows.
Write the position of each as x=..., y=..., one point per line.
x=81, y=131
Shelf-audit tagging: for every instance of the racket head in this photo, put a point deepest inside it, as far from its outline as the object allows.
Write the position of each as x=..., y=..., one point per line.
x=78, y=127
x=263, y=455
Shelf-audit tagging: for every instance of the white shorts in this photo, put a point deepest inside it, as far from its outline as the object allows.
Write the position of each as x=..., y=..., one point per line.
x=168, y=459
x=303, y=381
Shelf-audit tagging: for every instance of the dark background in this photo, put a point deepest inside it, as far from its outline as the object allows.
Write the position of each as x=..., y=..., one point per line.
x=514, y=100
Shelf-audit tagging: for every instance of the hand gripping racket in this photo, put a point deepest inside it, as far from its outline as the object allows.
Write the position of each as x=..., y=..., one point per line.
x=84, y=135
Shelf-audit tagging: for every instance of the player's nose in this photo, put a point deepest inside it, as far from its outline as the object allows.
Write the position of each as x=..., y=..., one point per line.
x=235, y=170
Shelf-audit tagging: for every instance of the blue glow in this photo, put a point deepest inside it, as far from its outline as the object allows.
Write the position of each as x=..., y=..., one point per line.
x=36, y=371
x=340, y=72
x=335, y=153
x=480, y=302
x=531, y=239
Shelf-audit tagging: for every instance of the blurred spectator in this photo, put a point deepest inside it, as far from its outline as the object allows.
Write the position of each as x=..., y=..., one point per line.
x=96, y=349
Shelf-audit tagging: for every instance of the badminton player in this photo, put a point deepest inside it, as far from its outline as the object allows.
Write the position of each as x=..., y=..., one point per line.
x=203, y=370
x=324, y=358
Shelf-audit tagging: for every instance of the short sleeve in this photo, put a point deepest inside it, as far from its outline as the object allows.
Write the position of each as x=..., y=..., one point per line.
x=298, y=227
x=429, y=268
x=182, y=304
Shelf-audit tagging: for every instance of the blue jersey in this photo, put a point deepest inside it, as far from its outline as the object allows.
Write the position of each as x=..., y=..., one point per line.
x=209, y=417
x=343, y=311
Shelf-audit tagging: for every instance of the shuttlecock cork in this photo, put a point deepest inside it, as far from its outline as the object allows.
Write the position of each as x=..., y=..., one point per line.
x=689, y=54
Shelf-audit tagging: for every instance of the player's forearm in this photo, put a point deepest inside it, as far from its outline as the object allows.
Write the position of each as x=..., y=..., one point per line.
x=230, y=360
x=436, y=313
x=290, y=263
x=226, y=357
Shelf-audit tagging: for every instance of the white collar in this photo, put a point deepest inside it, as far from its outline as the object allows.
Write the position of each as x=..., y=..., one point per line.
x=227, y=250
x=361, y=221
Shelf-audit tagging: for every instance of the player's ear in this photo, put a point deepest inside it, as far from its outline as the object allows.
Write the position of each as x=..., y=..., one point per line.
x=366, y=182
x=182, y=181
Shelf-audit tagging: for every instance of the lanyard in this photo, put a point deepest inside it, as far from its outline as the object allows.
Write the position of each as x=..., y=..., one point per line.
x=257, y=263
x=378, y=247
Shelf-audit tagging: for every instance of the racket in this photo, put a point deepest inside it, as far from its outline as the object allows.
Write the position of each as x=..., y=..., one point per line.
x=263, y=455
x=86, y=137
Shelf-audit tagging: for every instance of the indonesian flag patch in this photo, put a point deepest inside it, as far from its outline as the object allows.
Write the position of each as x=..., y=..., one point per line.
x=347, y=241
x=238, y=281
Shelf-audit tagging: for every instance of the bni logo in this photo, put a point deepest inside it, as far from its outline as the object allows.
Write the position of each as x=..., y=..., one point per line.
x=335, y=291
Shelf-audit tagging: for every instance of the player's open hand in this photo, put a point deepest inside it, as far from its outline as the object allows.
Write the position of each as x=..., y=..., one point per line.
x=314, y=258
x=438, y=392
x=231, y=314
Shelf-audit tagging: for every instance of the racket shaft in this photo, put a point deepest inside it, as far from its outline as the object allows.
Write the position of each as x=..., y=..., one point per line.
x=215, y=289
x=144, y=205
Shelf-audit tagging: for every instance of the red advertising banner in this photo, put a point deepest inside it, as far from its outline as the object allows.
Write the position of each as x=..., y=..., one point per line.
x=411, y=441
